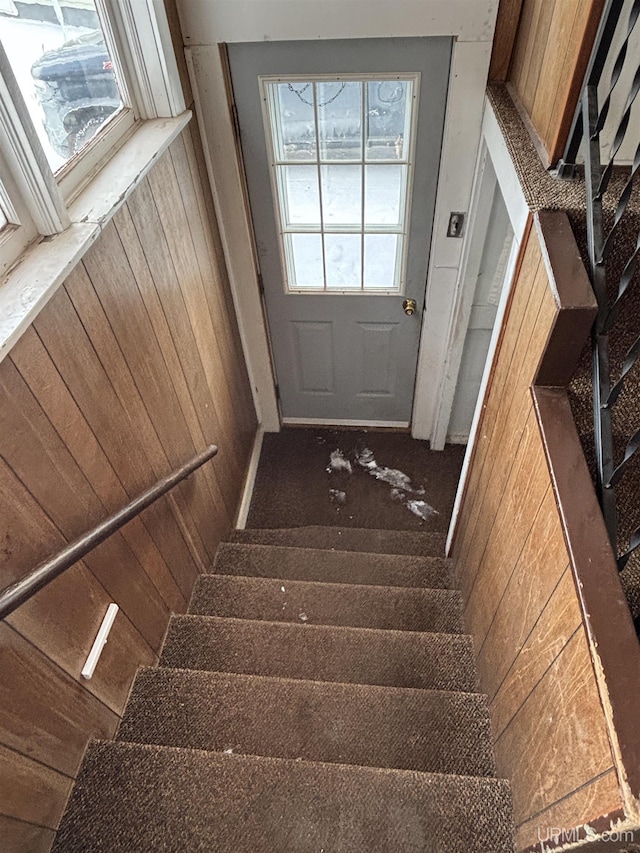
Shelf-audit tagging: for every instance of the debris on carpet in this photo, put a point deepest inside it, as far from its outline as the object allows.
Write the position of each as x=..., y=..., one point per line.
x=337, y=462
x=402, y=488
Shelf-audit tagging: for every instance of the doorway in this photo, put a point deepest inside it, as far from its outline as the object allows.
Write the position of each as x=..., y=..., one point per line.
x=341, y=143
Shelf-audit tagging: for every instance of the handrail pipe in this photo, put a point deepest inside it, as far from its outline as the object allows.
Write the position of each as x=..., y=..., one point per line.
x=22, y=590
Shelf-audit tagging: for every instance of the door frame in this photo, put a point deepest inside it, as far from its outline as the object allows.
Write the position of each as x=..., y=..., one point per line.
x=206, y=29
x=494, y=149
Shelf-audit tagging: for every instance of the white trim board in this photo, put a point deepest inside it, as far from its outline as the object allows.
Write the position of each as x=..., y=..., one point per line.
x=345, y=423
x=518, y=210
x=471, y=23
x=205, y=22
x=250, y=481
x=207, y=76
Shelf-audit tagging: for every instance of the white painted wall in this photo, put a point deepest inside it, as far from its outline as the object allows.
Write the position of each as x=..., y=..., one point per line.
x=205, y=24
x=488, y=267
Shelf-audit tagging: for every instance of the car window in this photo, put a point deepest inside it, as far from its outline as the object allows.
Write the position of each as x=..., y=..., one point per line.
x=64, y=71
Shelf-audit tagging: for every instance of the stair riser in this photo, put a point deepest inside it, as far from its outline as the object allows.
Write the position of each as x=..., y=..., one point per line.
x=338, y=723
x=317, y=653
x=153, y=798
x=333, y=566
x=349, y=539
x=281, y=600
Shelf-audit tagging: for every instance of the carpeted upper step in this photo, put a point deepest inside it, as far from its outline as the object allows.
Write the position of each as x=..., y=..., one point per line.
x=348, y=539
x=321, y=653
x=357, y=605
x=427, y=730
x=274, y=561
x=164, y=799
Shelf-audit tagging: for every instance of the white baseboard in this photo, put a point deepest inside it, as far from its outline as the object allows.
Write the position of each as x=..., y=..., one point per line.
x=457, y=439
x=250, y=480
x=333, y=423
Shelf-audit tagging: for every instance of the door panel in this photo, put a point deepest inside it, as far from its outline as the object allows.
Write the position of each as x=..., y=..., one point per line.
x=313, y=356
x=375, y=365
x=337, y=166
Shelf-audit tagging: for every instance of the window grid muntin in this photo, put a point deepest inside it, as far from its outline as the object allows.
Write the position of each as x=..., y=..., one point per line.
x=275, y=144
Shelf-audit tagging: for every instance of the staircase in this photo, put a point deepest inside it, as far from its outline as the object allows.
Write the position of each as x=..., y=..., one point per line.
x=320, y=695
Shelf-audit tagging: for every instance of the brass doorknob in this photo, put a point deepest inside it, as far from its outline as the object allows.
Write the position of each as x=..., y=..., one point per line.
x=409, y=306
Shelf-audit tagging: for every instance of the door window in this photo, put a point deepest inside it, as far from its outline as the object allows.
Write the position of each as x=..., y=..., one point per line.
x=341, y=151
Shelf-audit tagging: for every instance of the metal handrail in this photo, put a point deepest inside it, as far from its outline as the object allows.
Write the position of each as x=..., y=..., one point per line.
x=602, y=44
x=22, y=590
x=607, y=388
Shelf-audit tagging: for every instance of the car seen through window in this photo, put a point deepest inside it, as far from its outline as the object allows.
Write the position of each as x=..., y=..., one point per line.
x=64, y=70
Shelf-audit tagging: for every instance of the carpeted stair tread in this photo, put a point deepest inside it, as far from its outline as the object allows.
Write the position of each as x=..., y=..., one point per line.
x=165, y=799
x=427, y=730
x=355, y=605
x=321, y=652
x=361, y=539
x=304, y=564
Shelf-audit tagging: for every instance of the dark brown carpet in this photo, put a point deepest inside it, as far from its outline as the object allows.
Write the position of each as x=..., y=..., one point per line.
x=431, y=731
x=293, y=487
x=333, y=566
x=357, y=605
x=356, y=539
x=173, y=800
x=321, y=653
x=356, y=728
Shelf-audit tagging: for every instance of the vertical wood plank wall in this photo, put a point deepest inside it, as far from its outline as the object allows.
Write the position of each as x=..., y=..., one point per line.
x=133, y=367
x=521, y=606
x=548, y=62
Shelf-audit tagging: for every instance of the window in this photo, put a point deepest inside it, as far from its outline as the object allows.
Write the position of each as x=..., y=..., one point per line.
x=75, y=77
x=341, y=162
x=66, y=74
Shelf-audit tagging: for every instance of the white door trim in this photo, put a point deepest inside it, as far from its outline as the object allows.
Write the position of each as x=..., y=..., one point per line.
x=479, y=213
x=494, y=146
x=445, y=282
x=471, y=22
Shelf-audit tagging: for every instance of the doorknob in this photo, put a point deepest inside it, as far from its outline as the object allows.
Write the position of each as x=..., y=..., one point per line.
x=409, y=307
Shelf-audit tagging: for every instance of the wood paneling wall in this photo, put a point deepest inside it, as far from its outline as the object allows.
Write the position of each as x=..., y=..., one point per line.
x=133, y=366
x=549, y=59
x=515, y=570
x=504, y=39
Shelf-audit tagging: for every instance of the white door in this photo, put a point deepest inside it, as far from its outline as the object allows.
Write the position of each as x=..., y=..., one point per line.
x=341, y=144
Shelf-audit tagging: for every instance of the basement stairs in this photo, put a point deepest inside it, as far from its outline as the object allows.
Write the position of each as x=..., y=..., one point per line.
x=319, y=695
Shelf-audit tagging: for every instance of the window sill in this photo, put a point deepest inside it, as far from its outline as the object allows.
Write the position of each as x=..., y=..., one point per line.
x=38, y=273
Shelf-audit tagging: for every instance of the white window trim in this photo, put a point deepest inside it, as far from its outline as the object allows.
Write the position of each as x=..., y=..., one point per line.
x=148, y=53
x=111, y=169
x=20, y=231
x=25, y=158
x=80, y=170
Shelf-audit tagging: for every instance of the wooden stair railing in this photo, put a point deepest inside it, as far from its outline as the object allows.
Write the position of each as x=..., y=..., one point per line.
x=20, y=591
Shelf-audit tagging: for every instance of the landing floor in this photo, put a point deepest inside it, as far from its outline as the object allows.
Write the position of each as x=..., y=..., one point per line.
x=354, y=478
